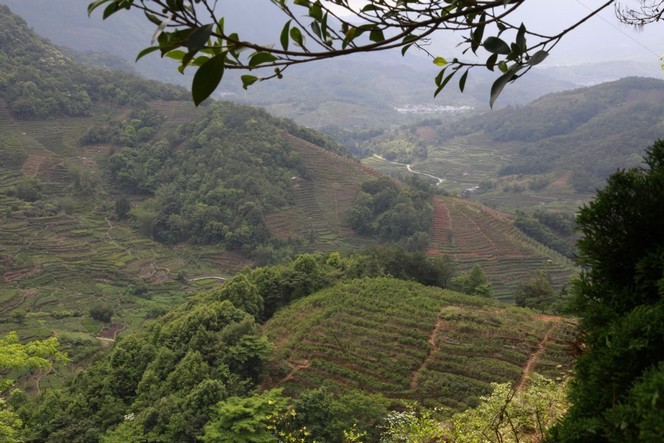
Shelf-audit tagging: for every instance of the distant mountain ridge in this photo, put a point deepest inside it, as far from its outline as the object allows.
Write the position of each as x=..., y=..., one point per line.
x=356, y=91
x=589, y=132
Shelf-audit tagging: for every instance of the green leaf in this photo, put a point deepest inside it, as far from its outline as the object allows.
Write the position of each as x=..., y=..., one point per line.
x=284, y=35
x=296, y=36
x=371, y=7
x=199, y=37
x=439, y=77
x=94, y=5
x=443, y=84
x=462, y=80
x=248, y=80
x=176, y=55
x=315, y=27
x=537, y=58
x=207, y=78
x=478, y=33
x=376, y=35
x=350, y=35
x=439, y=61
x=491, y=61
x=407, y=42
x=521, y=37
x=496, y=46
x=503, y=80
x=153, y=18
x=260, y=58
x=146, y=51
x=110, y=10
x=316, y=12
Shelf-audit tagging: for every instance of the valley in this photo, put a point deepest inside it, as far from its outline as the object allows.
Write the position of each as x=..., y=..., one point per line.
x=181, y=273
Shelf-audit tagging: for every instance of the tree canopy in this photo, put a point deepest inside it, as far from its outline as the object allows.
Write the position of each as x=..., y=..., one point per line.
x=616, y=395
x=195, y=34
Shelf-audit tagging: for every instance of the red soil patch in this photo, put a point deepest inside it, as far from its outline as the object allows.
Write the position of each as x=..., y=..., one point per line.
x=441, y=222
x=32, y=164
x=532, y=360
x=562, y=180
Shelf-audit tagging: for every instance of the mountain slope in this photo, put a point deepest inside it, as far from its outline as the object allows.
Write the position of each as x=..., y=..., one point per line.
x=407, y=341
x=473, y=234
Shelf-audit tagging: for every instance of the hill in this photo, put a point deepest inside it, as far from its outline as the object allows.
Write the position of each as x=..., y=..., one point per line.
x=407, y=341
x=136, y=199
x=84, y=162
x=473, y=234
x=344, y=356
x=529, y=155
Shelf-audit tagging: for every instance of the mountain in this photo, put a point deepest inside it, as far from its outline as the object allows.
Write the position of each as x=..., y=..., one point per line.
x=552, y=153
x=407, y=341
x=356, y=91
x=344, y=356
x=88, y=160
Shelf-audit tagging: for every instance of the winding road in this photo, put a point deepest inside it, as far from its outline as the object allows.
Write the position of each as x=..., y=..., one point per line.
x=440, y=179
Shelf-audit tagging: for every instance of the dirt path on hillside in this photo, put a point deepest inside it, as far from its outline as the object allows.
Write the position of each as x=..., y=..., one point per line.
x=302, y=364
x=541, y=347
x=433, y=348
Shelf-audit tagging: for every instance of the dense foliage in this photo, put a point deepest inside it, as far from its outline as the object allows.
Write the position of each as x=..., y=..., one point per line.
x=39, y=81
x=212, y=180
x=473, y=282
x=531, y=226
x=619, y=379
x=18, y=359
x=162, y=384
x=400, y=214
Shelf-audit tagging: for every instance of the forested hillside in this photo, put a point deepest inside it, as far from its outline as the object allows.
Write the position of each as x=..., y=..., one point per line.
x=39, y=81
x=345, y=356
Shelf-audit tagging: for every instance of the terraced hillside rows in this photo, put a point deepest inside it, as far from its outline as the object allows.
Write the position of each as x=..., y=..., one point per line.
x=322, y=199
x=408, y=341
x=63, y=254
x=472, y=233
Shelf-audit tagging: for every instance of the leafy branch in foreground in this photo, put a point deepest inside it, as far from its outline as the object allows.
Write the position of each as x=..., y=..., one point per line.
x=193, y=33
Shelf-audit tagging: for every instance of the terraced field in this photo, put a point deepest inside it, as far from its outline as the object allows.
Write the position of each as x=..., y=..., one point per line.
x=473, y=234
x=63, y=254
x=322, y=199
x=408, y=341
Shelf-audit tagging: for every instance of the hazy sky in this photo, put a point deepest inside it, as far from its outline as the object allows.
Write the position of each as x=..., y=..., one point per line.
x=602, y=38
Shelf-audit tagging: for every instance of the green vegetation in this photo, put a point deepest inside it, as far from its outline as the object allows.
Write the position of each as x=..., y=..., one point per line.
x=616, y=394
x=39, y=81
x=16, y=360
x=472, y=234
x=195, y=372
x=406, y=341
x=538, y=293
x=328, y=347
x=535, y=229
x=548, y=154
x=393, y=213
x=473, y=283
